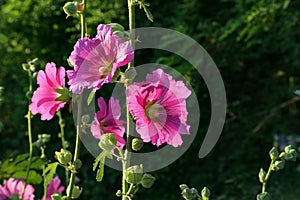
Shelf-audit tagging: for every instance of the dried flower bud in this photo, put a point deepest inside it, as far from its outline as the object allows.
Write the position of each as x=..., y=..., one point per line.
x=64, y=156
x=134, y=174
x=137, y=144
x=147, y=180
x=107, y=142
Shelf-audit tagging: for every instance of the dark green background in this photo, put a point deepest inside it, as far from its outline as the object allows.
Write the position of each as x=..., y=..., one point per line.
x=256, y=46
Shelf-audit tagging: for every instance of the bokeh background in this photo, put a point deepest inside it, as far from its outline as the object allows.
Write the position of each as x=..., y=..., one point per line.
x=254, y=43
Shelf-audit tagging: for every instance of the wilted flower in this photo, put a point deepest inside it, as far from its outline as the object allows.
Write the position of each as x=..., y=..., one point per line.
x=107, y=121
x=14, y=187
x=54, y=187
x=159, y=106
x=51, y=95
x=96, y=60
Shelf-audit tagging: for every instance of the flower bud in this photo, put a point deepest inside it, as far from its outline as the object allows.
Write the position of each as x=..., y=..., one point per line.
x=25, y=66
x=56, y=196
x=281, y=155
x=107, y=142
x=273, y=153
x=134, y=174
x=119, y=193
x=137, y=144
x=71, y=9
x=183, y=186
x=278, y=165
x=262, y=175
x=287, y=148
x=29, y=94
x=64, y=156
x=147, y=180
x=130, y=73
x=294, y=153
x=77, y=164
x=288, y=157
x=75, y=193
x=263, y=196
x=205, y=193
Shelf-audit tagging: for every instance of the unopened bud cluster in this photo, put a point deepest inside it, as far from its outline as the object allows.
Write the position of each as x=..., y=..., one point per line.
x=192, y=193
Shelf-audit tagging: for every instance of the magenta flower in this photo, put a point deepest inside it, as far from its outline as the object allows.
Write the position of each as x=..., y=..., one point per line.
x=107, y=121
x=159, y=106
x=96, y=60
x=54, y=187
x=51, y=95
x=14, y=187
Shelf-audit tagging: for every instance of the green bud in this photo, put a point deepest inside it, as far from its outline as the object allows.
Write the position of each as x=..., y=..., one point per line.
x=273, y=153
x=25, y=67
x=116, y=27
x=278, y=165
x=64, y=156
x=294, y=153
x=119, y=193
x=137, y=144
x=70, y=8
x=134, y=174
x=281, y=155
x=130, y=73
x=288, y=148
x=147, y=180
x=288, y=157
x=205, y=193
x=77, y=164
x=263, y=196
x=29, y=94
x=64, y=94
x=107, y=142
x=183, y=186
x=262, y=175
x=56, y=196
x=75, y=193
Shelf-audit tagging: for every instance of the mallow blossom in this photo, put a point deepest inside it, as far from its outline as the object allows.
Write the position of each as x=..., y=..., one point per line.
x=54, y=187
x=14, y=187
x=51, y=95
x=96, y=60
x=107, y=120
x=159, y=107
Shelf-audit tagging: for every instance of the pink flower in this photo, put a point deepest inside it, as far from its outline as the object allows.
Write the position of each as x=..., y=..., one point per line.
x=14, y=187
x=107, y=121
x=96, y=60
x=54, y=187
x=51, y=95
x=159, y=106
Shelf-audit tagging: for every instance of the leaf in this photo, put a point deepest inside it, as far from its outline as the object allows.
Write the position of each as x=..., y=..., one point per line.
x=33, y=176
x=100, y=171
x=49, y=173
x=148, y=13
x=91, y=97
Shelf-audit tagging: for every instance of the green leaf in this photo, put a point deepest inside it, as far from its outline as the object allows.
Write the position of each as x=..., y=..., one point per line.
x=91, y=97
x=100, y=171
x=49, y=172
x=33, y=176
x=100, y=162
x=148, y=13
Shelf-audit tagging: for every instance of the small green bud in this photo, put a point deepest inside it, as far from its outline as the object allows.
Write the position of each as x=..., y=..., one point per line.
x=263, y=196
x=205, y=193
x=288, y=157
x=147, y=180
x=294, y=153
x=262, y=175
x=25, y=67
x=281, y=155
x=70, y=8
x=186, y=193
x=130, y=73
x=273, y=153
x=137, y=144
x=119, y=193
x=29, y=94
x=183, y=186
x=288, y=148
x=77, y=164
x=134, y=174
x=56, y=196
x=75, y=193
x=64, y=156
x=107, y=142
x=278, y=165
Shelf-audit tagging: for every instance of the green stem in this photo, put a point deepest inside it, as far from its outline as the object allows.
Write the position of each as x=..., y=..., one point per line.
x=264, y=185
x=28, y=116
x=129, y=131
x=77, y=144
x=62, y=131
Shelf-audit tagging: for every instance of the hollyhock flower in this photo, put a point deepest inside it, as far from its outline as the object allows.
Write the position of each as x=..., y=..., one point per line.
x=107, y=120
x=96, y=60
x=51, y=95
x=159, y=106
x=14, y=187
x=54, y=187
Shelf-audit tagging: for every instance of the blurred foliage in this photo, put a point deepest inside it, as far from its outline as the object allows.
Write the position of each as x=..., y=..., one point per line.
x=255, y=44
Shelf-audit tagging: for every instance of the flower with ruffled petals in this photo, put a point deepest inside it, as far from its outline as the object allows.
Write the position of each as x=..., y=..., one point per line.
x=96, y=60
x=54, y=187
x=159, y=106
x=51, y=95
x=14, y=187
x=107, y=120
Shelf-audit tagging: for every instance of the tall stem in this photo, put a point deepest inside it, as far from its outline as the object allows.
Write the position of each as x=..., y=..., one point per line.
x=264, y=185
x=62, y=131
x=77, y=144
x=129, y=131
x=28, y=116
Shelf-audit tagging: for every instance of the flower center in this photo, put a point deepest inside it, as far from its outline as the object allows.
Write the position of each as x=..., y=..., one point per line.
x=105, y=70
x=156, y=112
